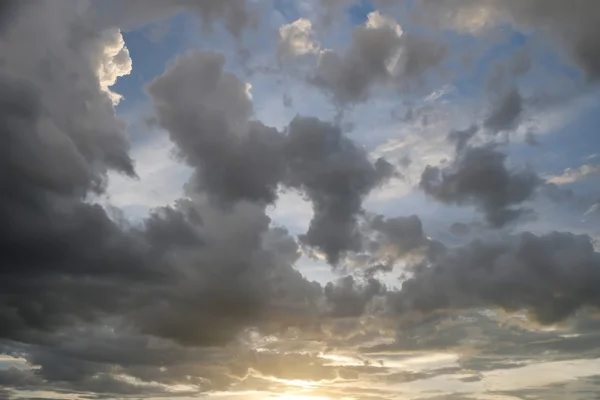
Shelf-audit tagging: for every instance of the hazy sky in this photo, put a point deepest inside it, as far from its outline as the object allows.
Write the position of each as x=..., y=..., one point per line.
x=299, y=199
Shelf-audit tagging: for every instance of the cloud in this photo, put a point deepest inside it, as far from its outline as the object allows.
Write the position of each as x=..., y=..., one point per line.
x=296, y=39
x=214, y=286
x=573, y=27
x=462, y=229
x=336, y=175
x=350, y=298
x=504, y=73
x=114, y=63
x=550, y=276
x=60, y=136
x=207, y=112
x=239, y=159
x=571, y=175
x=202, y=296
x=479, y=176
x=380, y=53
x=506, y=113
x=462, y=137
x=171, y=276
x=593, y=209
x=388, y=240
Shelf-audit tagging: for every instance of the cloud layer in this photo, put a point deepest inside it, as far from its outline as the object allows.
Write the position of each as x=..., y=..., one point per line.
x=210, y=295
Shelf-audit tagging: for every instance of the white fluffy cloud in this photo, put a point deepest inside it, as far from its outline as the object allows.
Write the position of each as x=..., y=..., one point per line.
x=296, y=39
x=114, y=62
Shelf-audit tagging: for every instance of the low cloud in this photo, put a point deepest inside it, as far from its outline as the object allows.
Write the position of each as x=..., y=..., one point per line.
x=505, y=114
x=479, y=176
x=550, y=276
x=380, y=53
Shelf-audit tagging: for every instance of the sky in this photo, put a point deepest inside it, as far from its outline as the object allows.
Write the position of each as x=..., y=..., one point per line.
x=299, y=199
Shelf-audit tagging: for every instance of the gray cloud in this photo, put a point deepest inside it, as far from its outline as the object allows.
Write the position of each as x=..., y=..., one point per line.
x=183, y=283
x=174, y=276
x=66, y=264
x=192, y=275
x=90, y=358
x=551, y=276
x=379, y=54
x=207, y=112
x=391, y=239
x=336, y=175
x=210, y=285
x=287, y=100
x=462, y=137
x=60, y=137
x=505, y=114
x=479, y=176
x=178, y=298
x=349, y=298
x=572, y=26
x=462, y=229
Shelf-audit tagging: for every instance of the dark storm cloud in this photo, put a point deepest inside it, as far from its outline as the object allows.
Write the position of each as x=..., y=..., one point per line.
x=206, y=294
x=60, y=136
x=170, y=300
x=192, y=274
x=207, y=112
x=6, y=394
x=8, y=10
x=349, y=298
x=403, y=233
x=60, y=74
x=550, y=276
x=102, y=384
x=65, y=263
x=89, y=358
x=336, y=175
x=388, y=240
x=479, y=176
x=213, y=286
x=379, y=54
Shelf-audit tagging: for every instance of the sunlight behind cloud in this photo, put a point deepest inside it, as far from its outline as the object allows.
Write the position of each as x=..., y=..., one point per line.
x=299, y=199
x=298, y=397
